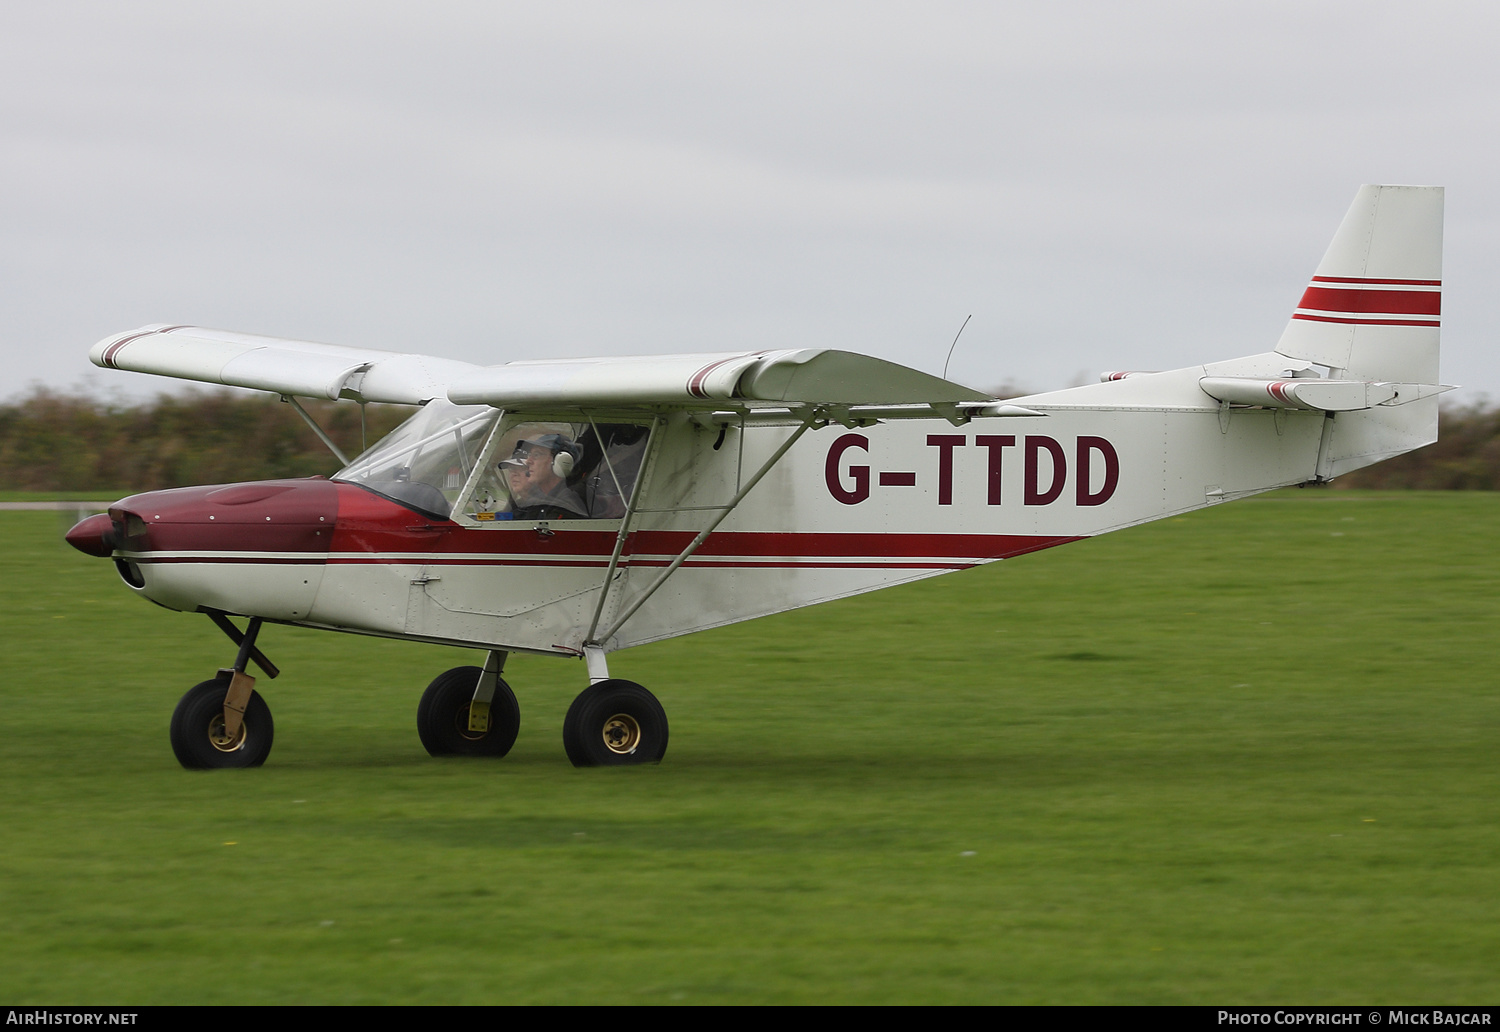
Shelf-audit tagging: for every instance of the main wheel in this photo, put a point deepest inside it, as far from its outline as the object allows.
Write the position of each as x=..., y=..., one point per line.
x=613, y=723
x=443, y=716
x=198, y=736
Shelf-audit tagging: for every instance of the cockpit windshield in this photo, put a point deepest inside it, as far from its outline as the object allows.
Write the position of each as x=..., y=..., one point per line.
x=453, y=461
x=425, y=462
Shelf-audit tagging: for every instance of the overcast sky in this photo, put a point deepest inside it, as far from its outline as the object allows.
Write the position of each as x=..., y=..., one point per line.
x=1101, y=185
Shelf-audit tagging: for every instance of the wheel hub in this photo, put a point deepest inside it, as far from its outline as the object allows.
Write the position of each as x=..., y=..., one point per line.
x=622, y=733
x=464, y=722
x=222, y=741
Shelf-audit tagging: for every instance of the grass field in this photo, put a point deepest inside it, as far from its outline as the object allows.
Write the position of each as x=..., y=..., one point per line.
x=1246, y=755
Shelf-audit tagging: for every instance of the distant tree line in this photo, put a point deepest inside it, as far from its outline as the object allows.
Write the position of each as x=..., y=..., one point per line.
x=1466, y=457
x=77, y=443
x=70, y=442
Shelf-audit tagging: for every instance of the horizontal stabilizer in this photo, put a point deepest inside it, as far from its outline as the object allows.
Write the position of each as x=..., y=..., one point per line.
x=305, y=369
x=1324, y=395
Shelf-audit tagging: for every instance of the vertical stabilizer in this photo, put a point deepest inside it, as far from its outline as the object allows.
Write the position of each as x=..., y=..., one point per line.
x=1372, y=313
x=1372, y=309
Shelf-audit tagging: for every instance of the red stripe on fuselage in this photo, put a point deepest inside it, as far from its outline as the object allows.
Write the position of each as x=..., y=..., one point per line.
x=368, y=523
x=372, y=530
x=522, y=546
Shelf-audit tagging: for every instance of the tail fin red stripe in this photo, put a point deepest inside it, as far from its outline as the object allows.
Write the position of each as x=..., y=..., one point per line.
x=1368, y=279
x=1391, y=302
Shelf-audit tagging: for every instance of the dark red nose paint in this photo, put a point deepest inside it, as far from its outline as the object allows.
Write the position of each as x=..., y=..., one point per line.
x=267, y=516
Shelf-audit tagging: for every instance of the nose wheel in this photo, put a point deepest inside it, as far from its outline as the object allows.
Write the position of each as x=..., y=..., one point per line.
x=203, y=741
x=225, y=722
x=613, y=723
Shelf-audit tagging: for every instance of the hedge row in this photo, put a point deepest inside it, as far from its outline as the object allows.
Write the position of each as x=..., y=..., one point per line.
x=59, y=442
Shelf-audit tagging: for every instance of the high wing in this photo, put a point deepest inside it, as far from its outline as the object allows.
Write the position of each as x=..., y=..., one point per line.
x=296, y=368
x=774, y=384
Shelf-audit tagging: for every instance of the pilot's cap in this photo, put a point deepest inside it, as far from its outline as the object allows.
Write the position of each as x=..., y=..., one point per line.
x=557, y=444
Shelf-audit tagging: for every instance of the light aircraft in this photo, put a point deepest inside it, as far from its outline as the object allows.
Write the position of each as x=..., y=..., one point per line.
x=575, y=507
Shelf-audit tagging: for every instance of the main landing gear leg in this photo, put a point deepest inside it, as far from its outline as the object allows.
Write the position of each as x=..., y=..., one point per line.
x=613, y=722
x=468, y=711
x=223, y=722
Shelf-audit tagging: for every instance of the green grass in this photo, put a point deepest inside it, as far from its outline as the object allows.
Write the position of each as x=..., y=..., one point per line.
x=1246, y=755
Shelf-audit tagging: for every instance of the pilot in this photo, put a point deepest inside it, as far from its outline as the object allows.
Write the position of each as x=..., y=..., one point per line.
x=537, y=473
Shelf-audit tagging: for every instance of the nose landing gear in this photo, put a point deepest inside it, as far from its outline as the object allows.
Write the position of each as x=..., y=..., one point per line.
x=200, y=736
x=223, y=722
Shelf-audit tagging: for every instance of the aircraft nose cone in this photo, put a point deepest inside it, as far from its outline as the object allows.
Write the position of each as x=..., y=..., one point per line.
x=93, y=536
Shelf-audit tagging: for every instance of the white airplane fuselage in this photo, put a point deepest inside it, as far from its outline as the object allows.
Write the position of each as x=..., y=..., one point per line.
x=847, y=510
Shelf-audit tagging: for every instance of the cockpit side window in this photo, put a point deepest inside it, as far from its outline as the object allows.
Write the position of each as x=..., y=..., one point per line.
x=558, y=471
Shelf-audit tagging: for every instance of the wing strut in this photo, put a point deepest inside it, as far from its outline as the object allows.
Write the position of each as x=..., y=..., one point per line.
x=703, y=534
x=635, y=494
x=319, y=430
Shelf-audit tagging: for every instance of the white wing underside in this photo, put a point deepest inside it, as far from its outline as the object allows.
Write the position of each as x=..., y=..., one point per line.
x=299, y=368
x=700, y=381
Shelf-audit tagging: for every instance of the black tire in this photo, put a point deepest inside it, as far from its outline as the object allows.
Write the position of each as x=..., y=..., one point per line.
x=615, y=723
x=443, y=716
x=198, y=729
